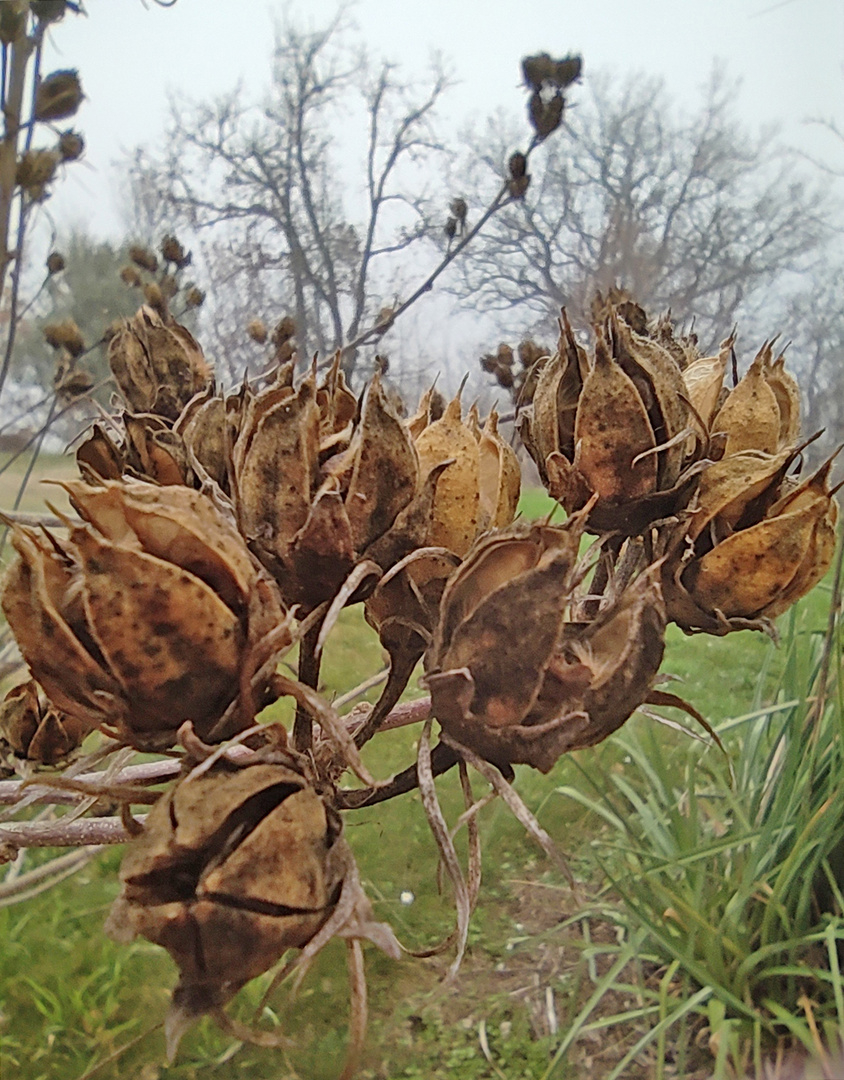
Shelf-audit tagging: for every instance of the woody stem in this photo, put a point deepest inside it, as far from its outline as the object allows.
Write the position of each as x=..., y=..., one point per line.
x=309, y=662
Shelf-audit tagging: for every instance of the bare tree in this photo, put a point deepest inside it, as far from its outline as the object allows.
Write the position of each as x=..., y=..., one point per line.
x=271, y=193
x=689, y=213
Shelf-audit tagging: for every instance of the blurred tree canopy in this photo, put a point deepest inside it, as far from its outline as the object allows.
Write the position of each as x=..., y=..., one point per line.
x=692, y=213
x=285, y=226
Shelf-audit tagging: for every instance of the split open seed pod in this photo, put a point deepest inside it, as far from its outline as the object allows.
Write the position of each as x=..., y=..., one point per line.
x=753, y=543
x=236, y=865
x=34, y=729
x=320, y=488
x=151, y=613
x=763, y=411
x=512, y=676
x=615, y=426
x=158, y=365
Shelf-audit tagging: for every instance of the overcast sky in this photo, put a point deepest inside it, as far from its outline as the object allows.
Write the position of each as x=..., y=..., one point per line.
x=789, y=55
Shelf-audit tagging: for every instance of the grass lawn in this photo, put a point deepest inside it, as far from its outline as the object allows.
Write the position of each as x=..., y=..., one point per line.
x=70, y=998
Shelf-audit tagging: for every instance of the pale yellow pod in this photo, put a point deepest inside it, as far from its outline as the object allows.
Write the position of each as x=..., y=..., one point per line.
x=454, y=521
x=749, y=572
x=704, y=378
x=750, y=416
x=787, y=393
x=499, y=476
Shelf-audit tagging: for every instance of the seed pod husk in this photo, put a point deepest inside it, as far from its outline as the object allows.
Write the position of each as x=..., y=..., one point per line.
x=455, y=519
x=36, y=730
x=151, y=609
x=158, y=365
x=754, y=543
x=510, y=675
x=750, y=417
x=234, y=867
x=58, y=96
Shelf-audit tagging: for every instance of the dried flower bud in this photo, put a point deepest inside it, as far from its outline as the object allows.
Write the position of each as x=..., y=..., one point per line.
x=55, y=262
x=58, y=96
x=143, y=257
x=515, y=681
x=35, y=730
x=194, y=297
x=129, y=275
x=172, y=251
x=64, y=335
x=257, y=330
x=159, y=367
x=35, y=169
x=71, y=146
x=545, y=115
x=146, y=616
x=754, y=543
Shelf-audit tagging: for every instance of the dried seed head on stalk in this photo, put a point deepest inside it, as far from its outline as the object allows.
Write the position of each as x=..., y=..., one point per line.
x=754, y=541
x=158, y=365
x=71, y=145
x=317, y=485
x=34, y=171
x=235, y=866
x=58, y=96
x=512, y=676
x=36, y=730
x=151, y=613
x=616, y=426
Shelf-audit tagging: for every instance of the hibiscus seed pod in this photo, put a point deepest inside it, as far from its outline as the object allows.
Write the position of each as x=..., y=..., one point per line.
x=455, y=521
x=64, y=335
x=150, y=610
x=55, y=262
x=750, y=417
x=257, y=331
x=754, y=543
x=511, y=677
x=499, y=478
x=71, y=145
x=144, y=258
x=35, y=730
x=158, y=365
x=172, y=251
x=58, y=96
x=234, y=867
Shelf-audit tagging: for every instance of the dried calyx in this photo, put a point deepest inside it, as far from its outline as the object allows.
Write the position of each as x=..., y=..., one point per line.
x=514, y=674
x=154, y=610
x=236, y=865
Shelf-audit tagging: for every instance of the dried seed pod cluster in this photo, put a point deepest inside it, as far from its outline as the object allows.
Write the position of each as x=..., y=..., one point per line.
x=216, y=530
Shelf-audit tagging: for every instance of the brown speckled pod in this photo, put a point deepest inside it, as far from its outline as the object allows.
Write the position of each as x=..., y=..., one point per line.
x=146, y=615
